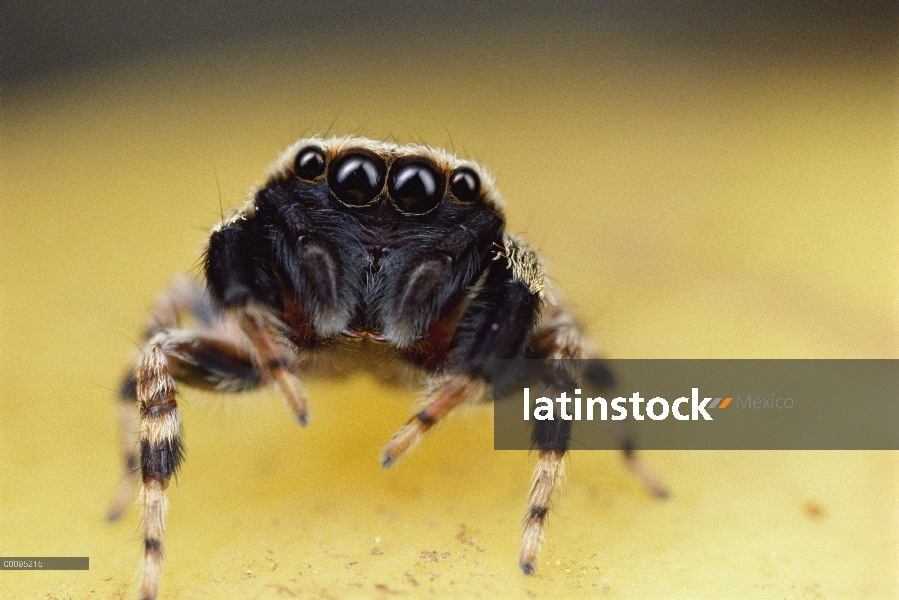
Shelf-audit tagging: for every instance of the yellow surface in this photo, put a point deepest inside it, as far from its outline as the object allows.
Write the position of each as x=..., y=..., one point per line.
x=689, y=211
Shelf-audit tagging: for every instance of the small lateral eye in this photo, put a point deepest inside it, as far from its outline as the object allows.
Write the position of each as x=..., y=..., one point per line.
x=465, y=185
x=356, y=178
x=309, y=163
x=415, y=187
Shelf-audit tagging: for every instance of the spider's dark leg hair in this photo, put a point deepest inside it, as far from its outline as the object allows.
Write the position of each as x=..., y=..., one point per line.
x=602, y=378
x=211, y=357
x=246, y=291
x=495, y=325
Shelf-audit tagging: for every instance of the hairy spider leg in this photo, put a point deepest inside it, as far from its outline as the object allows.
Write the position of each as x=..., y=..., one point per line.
x=272, y=348
x=213, y=355
x=501, y=311
x=556, y=339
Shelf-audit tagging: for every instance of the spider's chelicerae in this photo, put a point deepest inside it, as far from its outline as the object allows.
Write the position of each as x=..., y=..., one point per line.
x=399, y=249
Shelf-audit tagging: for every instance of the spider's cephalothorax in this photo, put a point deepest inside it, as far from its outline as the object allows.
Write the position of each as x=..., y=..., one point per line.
x=349, y=240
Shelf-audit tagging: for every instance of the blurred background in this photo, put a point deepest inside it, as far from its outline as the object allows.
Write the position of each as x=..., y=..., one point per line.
x=703, y=180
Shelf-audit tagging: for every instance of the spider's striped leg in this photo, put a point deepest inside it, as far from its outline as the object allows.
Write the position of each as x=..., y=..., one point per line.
x=602, y=378
x=210, y=359
x=274, y=353
x=457, y=390
x=214, y=359
x=185, y=299
x=503, y=307
x=557, y=340
x=160, y=452
x=551, y=438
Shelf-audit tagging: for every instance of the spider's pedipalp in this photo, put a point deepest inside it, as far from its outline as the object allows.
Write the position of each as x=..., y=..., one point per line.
x=326, y=272
x=416, y=285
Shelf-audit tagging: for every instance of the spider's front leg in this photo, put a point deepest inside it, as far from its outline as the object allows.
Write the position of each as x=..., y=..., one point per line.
x=500, y=314
x=199, y=359
x=212, y=358
x=212, y=355
x=557, y=338
x=499, y=323
x=503, y=320
x=241, y=271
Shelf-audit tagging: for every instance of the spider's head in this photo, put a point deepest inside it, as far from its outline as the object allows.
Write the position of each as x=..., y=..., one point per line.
x=362, y=235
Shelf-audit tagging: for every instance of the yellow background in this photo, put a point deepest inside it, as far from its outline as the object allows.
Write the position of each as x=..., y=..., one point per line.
x=688, y=208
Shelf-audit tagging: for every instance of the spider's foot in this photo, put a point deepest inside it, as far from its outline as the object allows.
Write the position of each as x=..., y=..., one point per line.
x=404, y=440
x=293, y=392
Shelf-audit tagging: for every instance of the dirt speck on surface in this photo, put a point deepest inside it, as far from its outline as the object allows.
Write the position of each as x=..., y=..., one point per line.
x=814, y=510
x=283, y=590
x=465, y=535
x=433, y=555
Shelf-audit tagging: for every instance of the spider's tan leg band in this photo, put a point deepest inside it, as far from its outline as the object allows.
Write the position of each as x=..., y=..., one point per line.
x=547, y=477
x=160, y=453
x=457, y=390
x=268, y=342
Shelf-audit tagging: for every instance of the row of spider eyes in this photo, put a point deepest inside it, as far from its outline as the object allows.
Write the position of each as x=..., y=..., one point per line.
x=357, y=178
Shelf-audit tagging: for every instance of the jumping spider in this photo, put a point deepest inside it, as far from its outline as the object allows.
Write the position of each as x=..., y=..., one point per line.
x=401, y=249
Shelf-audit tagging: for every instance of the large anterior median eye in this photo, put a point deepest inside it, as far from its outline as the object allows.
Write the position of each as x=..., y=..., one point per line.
x=415, y=187
x=356, y=178
x=309, y=163
x=465, y=185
